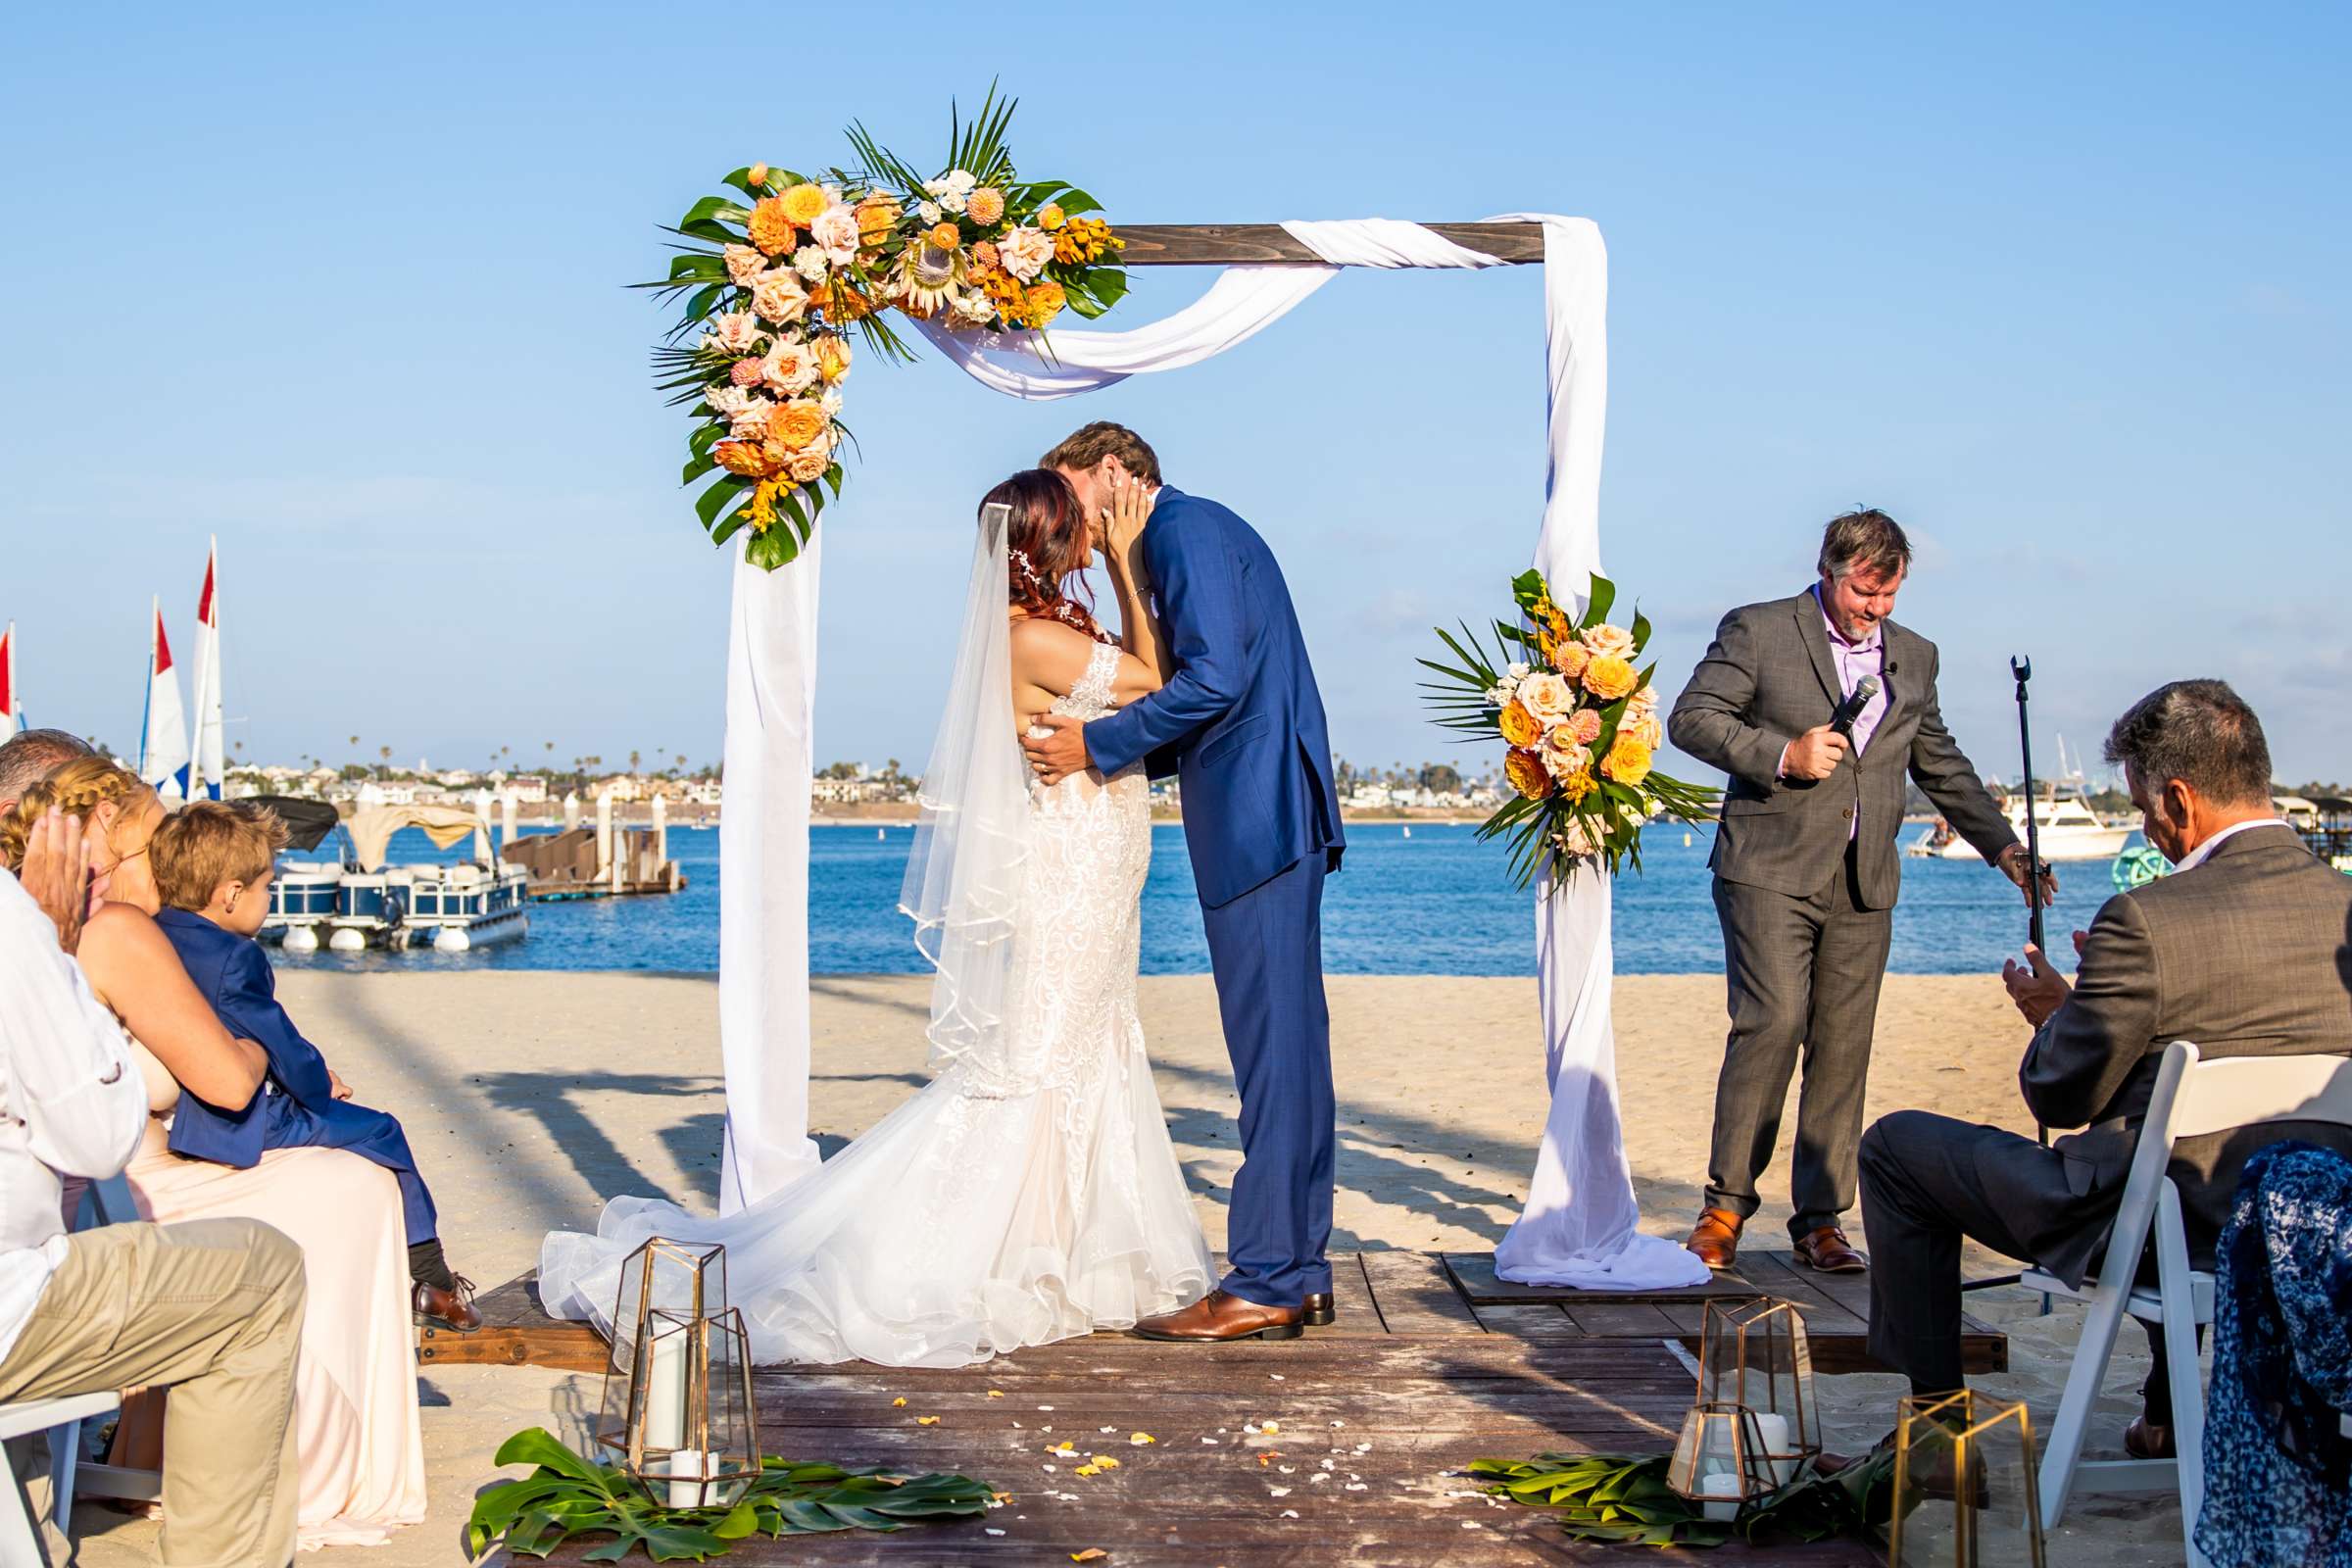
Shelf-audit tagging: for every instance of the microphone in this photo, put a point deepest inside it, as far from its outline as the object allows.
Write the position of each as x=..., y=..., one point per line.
x=1841, y=720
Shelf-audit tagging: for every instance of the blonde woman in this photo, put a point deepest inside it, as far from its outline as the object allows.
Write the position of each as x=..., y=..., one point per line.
x=358, y=1438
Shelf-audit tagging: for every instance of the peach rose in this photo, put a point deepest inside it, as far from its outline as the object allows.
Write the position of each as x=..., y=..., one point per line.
x=744, y=263
x=1609, y=678
x=1564, y=752
x=1573, y=842
x=1519, y=726
x=1527, y=773
x=1628, y=762
x=809, y=465
x=734, y=331
x=1647, y=729
x=1585, y=725
x=1608, y=642
x=778, y=296
x=1547, y=696
x=794, y=425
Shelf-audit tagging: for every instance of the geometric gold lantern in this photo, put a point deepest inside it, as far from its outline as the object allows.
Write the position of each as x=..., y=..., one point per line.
x=1966, y=1494
x=676, y=1409
x=1718, y=1461
x=1755, y=1353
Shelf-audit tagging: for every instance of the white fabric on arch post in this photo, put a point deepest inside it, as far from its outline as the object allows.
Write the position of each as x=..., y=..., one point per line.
x=764, y=878
x=1580, y=1227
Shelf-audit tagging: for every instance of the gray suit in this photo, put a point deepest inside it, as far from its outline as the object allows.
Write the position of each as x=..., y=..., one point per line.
x=2247, y=954
x=1804, y=895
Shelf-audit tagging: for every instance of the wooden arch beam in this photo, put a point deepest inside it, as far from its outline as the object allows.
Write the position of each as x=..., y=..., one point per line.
x=1271, y=245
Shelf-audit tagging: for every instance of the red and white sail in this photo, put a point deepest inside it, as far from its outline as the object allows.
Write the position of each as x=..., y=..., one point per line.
x=164, y=736
x=10, y=720
x=207, y=772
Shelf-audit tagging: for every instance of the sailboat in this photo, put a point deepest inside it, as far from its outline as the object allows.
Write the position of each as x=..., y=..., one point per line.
x=164, y=731
x=10, y=720
x=207, y=770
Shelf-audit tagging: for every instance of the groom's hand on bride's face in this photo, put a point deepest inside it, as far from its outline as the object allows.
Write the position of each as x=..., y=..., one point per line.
x=1058, y=753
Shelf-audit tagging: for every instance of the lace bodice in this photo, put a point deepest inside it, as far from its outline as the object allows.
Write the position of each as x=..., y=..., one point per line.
x=1090, y=699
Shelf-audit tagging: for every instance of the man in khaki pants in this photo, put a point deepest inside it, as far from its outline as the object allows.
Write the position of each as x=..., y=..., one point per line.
x=212, y=1308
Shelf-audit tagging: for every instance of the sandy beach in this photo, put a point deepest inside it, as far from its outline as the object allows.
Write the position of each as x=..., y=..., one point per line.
x=533, y=1097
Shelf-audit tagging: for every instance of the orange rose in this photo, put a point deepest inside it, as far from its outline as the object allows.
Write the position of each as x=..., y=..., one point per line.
x=1527, y=773
x=772, y=226
x=1519, y=726
x=1050, y=217
x=837, y=301
x=792, y=425
x=1628, y=762
x=876, y=216
x=1609, y=678
x=741, y=457
x=804, y=204
x=1045, y=301
x=945, y=237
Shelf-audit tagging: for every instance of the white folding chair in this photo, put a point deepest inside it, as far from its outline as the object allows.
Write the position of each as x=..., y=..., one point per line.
x=2191, y=1098
x=61, y=1419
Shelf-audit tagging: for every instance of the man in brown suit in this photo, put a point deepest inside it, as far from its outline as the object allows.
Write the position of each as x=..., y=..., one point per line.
x=2243, y=950
x=1805, y=865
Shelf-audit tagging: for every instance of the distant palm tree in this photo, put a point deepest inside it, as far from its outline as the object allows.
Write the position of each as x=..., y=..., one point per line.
x=632, y=761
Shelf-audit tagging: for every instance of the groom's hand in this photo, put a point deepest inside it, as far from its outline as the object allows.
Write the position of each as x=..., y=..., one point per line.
x=1058, y=753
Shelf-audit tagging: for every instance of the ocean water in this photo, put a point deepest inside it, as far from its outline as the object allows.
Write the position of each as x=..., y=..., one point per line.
x=1437, y=903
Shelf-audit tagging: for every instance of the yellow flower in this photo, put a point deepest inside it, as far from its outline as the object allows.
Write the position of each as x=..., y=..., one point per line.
x=803, y=204
x=986, y=206
x=1577, y=785
x=1609, y=678
x=771, y=224
x=1519, y=726
x=757, y=174
x=761, y=512
x=1628, y=762
x=945, y=237
x=794, y=425
x=1045, y=301
x=1050, y=217
x=876, y=216
x=1527, y=773
x=832, y=357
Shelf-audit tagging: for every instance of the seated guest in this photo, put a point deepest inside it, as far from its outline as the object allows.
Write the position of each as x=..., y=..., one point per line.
x=359, y=1440
x=2243, y=950
x=214, y=1309
x=213, y=865
x=32, y=755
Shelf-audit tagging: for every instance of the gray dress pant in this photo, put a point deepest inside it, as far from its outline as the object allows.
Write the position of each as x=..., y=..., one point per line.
x=1803, y=977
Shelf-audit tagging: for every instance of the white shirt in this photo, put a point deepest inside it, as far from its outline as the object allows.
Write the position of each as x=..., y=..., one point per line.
x=72, y=1100
x=2196, y=857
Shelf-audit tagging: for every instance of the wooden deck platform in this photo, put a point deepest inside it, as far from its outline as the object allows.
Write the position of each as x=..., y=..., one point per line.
x=1373, y=1421
x=1420, y=1294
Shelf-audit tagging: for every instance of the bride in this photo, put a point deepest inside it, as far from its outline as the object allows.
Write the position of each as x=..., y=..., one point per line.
x=1030, y=1192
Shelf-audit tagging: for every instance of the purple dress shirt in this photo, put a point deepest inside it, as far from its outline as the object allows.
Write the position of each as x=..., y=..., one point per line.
x=1854, y=661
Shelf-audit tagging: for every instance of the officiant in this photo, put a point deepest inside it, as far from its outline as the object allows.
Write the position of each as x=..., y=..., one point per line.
x=1819, y=708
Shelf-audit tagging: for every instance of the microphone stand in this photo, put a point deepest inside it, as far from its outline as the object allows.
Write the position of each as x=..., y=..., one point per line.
x=2021, y=665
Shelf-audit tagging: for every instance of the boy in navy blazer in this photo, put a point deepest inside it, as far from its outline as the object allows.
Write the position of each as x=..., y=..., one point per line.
x=213, y=862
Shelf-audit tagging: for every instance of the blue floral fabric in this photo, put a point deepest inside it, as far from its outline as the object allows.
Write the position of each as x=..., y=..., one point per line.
x=2278, y=1467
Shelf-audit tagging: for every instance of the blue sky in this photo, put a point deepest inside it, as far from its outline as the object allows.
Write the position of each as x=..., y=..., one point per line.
x=2065, y=291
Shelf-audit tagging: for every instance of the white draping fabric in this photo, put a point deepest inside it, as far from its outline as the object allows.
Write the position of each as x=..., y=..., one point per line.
x=1580, y=1223
x=764, y=878
x=1581, y=1226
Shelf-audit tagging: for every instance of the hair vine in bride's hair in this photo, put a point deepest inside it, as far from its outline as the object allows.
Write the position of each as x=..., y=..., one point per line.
x=1026, y=570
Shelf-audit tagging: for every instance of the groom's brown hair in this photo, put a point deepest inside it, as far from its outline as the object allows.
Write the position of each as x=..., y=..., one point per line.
x=1090, y=444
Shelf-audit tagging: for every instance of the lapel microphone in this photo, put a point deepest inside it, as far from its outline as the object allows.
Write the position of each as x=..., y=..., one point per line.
x=1841, y=720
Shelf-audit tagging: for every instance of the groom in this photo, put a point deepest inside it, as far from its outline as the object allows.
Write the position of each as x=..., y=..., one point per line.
x=1240, y=724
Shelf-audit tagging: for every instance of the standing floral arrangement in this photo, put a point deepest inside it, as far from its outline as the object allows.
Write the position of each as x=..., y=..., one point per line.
x=1580, y=726
x=774, y=290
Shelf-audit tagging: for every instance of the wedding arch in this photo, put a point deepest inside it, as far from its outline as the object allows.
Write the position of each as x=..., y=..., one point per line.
x=1581, y=1224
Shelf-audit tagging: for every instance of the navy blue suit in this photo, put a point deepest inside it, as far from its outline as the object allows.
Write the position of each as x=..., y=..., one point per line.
x=234, y=976
x=1240, y=724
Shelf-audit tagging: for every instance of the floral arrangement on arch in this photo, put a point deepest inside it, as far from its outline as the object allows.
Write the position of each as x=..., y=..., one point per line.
x=1580, y=725
x=778, y=281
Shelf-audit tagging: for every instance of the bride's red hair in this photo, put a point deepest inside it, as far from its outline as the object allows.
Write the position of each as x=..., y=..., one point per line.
x=1049, y=543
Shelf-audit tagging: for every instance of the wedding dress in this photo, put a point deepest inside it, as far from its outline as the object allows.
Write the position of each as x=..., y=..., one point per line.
x=1030, y=1192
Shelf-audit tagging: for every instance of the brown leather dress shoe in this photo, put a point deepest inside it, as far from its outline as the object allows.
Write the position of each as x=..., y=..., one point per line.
x=1716, y=1238
x=1317, y=1311
x=2144, y=1439
x=1826, y=1249
x=1217, y=1318
x=436, y=1308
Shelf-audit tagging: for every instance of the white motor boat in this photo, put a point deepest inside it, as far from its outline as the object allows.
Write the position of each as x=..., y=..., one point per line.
x=2065, y=826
